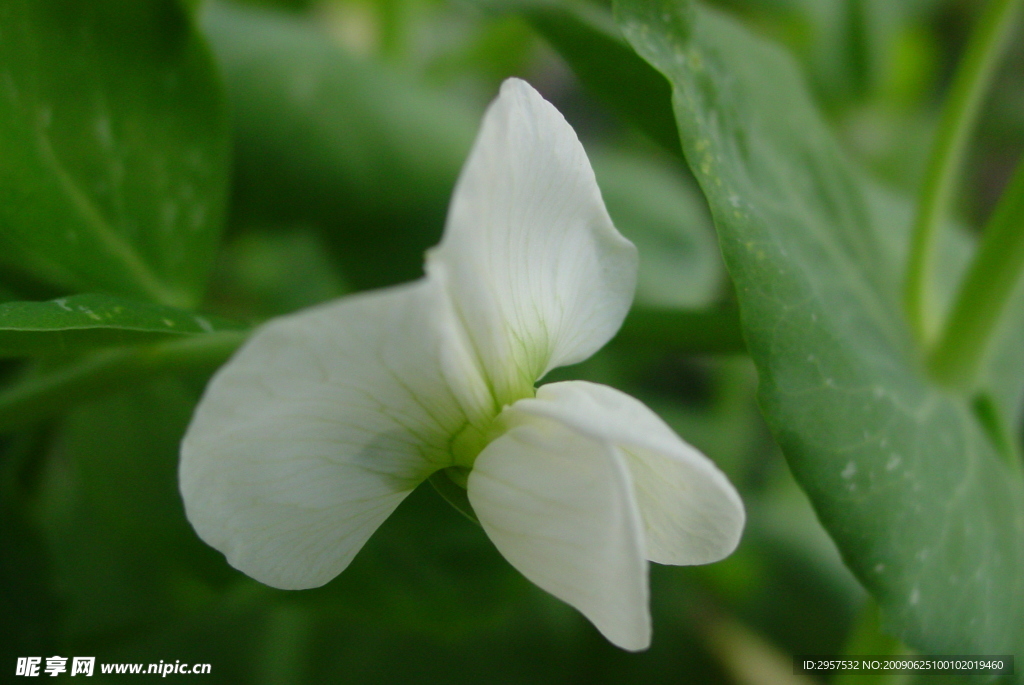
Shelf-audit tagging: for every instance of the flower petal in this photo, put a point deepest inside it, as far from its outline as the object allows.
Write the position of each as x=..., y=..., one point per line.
x=536, y=270
x=691, y=513
x=320, y=425
x=560, y=508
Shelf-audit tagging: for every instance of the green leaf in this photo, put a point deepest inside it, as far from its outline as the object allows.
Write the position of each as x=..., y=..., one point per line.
x=80, y=322
x=115, y=147
x=902, y=474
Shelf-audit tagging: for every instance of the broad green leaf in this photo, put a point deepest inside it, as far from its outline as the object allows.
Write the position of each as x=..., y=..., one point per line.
x=658, y=207
x=7, y=294
x=115, y=147
x=924, y=510
x=351, y=146
x=80, y=322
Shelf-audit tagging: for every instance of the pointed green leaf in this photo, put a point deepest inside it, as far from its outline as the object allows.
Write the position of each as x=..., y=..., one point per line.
x=80, y=322
x=115, y=148
x=903, y=475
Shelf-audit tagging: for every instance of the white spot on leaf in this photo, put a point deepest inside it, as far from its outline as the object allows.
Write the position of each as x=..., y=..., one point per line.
x=103, y=132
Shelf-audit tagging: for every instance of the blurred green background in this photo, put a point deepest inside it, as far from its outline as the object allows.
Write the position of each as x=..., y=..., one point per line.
x=349, y=122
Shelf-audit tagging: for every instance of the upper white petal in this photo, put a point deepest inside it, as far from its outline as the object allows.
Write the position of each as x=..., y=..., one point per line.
x=320, y=425
x=537, y=272
x=560, y=508
x=691, y=512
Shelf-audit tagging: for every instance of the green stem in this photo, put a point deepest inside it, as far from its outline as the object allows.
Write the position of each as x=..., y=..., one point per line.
x=47, y=394
x=715, y=331
x=984, y=292
x=453, y=493
x=1002, y=436
x=958, y=118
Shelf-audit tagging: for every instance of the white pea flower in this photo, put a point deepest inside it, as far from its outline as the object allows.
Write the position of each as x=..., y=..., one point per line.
x=326, y=419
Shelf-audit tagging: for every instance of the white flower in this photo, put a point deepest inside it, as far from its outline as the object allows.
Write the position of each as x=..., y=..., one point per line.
x=326, y=419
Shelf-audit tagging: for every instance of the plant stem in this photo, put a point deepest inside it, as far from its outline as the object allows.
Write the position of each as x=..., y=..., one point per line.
x=45, y=394
x=715, y=331
x=1002, y=436
x=454, y=494
x=984, y=292
x=966, y=96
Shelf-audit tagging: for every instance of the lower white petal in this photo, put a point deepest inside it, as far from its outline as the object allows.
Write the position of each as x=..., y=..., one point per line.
x=691, y=513
x=318, y=428
x=560, y=508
